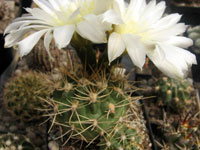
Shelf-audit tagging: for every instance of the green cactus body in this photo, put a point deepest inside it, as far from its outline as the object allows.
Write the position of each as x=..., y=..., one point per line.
x=24, y=94
x=194, y=34
x=173, y=93
x=15, y=142
x=96, y=107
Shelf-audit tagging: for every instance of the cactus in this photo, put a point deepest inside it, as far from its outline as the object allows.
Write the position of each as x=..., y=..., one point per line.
x=194, y=34
x=97, y=107
x=173, y=94
x=15, y=142
x=23, y=95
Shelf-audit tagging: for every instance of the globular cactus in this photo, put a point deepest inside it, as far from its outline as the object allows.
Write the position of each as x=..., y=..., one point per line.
x=15, y=142
x=194, y=34
x=97, y=108
x=172, y=93
x=24, y=95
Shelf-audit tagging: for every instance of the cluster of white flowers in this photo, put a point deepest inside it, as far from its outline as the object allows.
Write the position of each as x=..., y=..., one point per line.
x=137, y=28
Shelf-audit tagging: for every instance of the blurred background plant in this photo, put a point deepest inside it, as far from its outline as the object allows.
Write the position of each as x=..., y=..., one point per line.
x=24, y=95
x=3, y=9
x=15, y=142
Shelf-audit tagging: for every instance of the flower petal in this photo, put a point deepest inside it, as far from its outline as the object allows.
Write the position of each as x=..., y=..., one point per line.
x=153, y=12
x=135, y=49
x=42, y=15
x=164, y=34
x=116, y=46
x=136, y=8
x=63, y=35
x=171, y=60
x=47, y=40
x=119, y=7
x=13, y=26
x=180, y=41
x=112, y=17
x=55, y=4
x=27, y=44
x=167, y=21
x=14, y=37
x=92, y=29
x=101, y=6
x=43, y=4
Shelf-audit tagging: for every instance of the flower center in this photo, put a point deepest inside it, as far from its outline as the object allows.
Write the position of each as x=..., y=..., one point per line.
x=67, y=13
x=132, y=27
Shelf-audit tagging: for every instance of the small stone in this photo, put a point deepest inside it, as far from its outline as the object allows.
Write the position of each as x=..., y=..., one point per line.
x=13, y=128
x=53, y=145
x=18, y=72
x=151, y=82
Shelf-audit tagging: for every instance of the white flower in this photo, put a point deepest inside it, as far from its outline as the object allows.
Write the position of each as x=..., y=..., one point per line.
x=59, y=19
x=146, y=32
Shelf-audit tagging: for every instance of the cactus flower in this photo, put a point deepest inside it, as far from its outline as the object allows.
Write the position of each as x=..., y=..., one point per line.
x=58, y=20
x=146, y=32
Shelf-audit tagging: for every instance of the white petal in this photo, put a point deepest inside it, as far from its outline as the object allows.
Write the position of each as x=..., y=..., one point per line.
x=116, y=46
x=180, y=41
x=27, y=44
x=152, y=13
x=47, y=40
x=173, y=52
x=136, y=8
x=167, y=21
x=112, y=17
x=13, y=26
x=63, y=35
x=135, y=49
x=55, y=4
x=45, y=6
x=101, y=6
x=12, y=38
x=92, y=29
x=165, y=34
x=119, y=7
x=74, y=14
x=41, y=15
x=174, y=62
